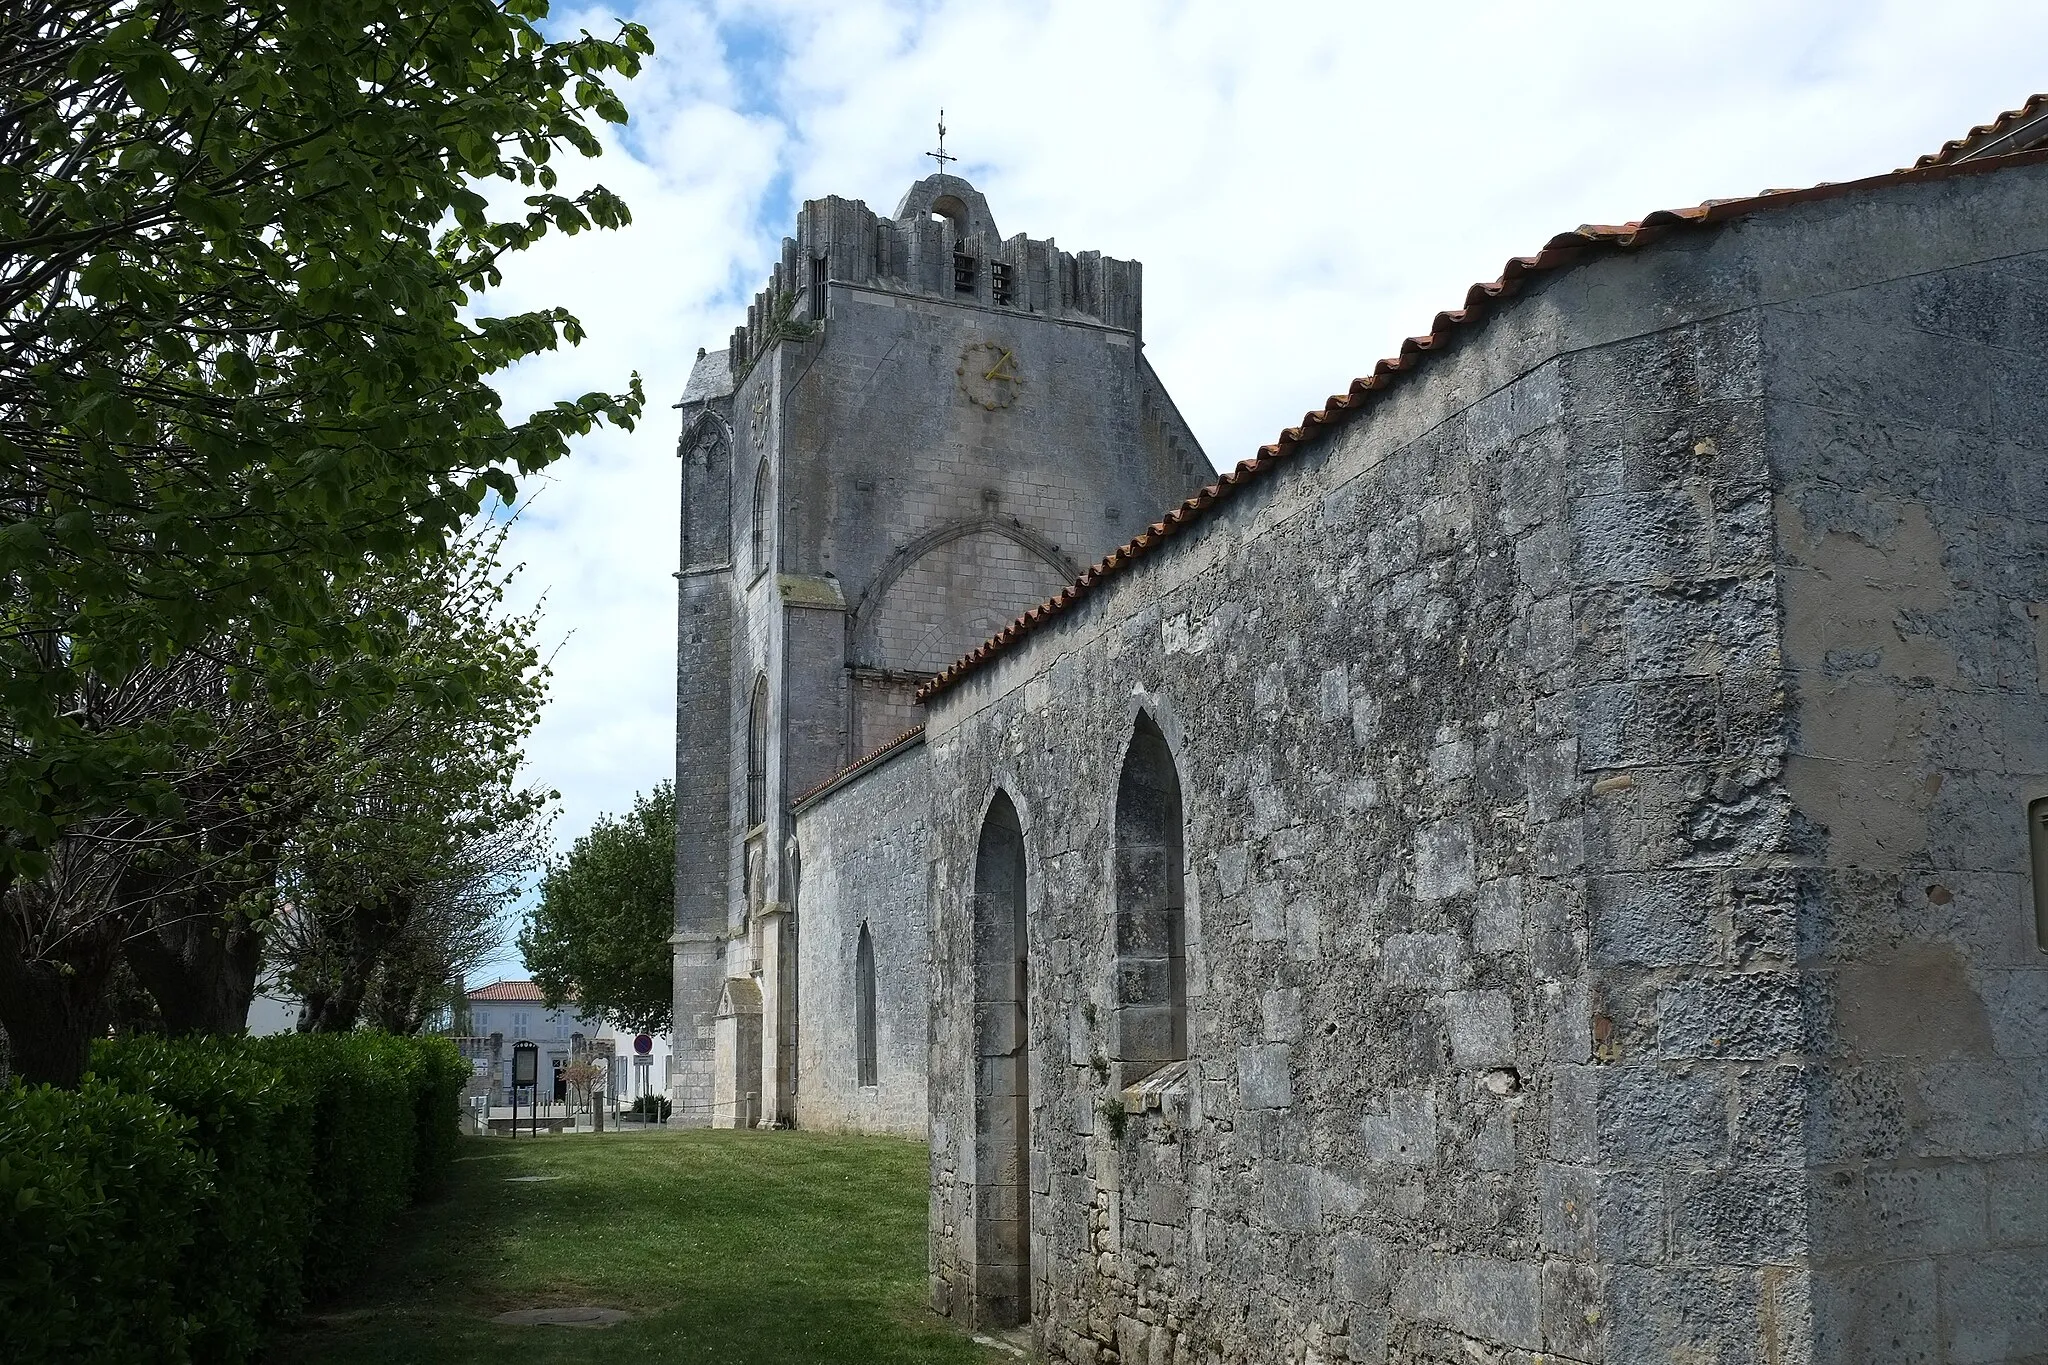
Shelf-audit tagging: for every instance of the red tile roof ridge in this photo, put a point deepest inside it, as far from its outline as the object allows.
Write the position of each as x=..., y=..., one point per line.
x=506, y=989
x=901, y=741
x=1943, y=155
x=1564, y=249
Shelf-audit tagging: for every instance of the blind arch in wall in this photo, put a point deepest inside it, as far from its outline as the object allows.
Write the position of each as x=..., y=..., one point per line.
x=707, y=495
x=1002, y=1045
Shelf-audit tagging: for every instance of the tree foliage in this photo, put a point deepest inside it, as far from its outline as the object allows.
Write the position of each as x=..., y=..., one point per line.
x=237, y=239
x=419, y=833
x=599, y=935
x=244, y=404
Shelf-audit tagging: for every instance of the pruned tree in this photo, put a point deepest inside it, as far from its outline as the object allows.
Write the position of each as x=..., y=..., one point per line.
x=399, y=877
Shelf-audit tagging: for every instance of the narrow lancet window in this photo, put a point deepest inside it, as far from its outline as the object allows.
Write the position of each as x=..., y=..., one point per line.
x=757, y=755
x=864, y=1009
x=761, y=508
x=2037, y=835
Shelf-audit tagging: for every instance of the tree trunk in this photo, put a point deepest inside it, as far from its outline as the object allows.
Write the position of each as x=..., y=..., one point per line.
x=53, y=1006
x=52, y=1010
x=336, y=1010
x=200, y=966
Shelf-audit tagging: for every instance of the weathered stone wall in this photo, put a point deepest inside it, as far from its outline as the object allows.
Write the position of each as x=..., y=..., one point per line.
x=1557, y=984
x=863, y=862
x=1907, y=425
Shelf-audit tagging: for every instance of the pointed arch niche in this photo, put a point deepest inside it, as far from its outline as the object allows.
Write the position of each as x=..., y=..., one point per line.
x=866, y=1072
x=1002, y=1100
x=1151, y=916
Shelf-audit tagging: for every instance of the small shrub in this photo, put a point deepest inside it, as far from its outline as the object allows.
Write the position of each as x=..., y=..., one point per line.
x=651, y=1108
x=101, y=1195
x=1114, y=1117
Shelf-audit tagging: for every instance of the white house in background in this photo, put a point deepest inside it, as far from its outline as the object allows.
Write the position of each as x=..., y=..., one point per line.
x=503, y=1014
x=629, y=1079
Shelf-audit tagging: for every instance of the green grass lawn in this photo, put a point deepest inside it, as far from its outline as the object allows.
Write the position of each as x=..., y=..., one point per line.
x=727, y=1247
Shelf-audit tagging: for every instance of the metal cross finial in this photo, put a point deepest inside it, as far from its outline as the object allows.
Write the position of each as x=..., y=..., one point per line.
x=940, y=155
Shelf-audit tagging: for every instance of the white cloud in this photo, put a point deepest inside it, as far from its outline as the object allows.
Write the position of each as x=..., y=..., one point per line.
x=1305, y=183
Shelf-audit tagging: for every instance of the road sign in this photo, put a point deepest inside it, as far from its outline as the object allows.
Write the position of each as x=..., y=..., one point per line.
x=643, y=1044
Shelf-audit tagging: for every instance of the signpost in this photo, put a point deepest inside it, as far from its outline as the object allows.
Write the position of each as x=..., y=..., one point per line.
x=643, y=1064
x=526, y=1072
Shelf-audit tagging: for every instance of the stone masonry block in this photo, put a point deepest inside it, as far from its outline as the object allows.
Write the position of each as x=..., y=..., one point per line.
x=1443, y=860
x=1280, y=1014
x=1653, y=1116
x=1358, y=1268
x=1653, y=919
x=1423, y=961
x=1406, y=1134
x=1487, y=1299
x=1497, y=915
x=1751, y=1016
x=1263, y=1079
x=1482, y=1028
x=1993, y=1307
x=1724, y=1218
x=1658, y=1313
x=1876, y=1314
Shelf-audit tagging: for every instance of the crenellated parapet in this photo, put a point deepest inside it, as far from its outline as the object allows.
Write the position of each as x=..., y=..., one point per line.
x=942, y=244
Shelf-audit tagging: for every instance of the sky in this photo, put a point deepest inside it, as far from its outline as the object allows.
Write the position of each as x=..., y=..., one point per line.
x=1305, y=183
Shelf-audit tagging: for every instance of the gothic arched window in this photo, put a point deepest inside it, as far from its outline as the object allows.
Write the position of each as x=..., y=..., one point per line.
x=864, y=1009
x=762, y=506
x=1151, y=918
x=757, y=754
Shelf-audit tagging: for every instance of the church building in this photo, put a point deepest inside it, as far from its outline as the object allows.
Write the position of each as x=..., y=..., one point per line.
x=922, y=430
x=1547, y=861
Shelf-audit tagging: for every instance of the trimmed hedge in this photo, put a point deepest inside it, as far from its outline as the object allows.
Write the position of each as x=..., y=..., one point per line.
x=255, y=1120
x=192, y=1192
x=99, y=1195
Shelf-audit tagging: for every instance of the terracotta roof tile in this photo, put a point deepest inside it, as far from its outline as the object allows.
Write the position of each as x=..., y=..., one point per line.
x=518, y=992
x=2015, y=130
x=1563, y=250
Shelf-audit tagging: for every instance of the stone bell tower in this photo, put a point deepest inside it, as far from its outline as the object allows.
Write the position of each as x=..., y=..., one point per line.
x=921, y=431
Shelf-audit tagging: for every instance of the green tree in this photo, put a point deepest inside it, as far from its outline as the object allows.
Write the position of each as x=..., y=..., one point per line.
x=238, y=376
x=599, y=935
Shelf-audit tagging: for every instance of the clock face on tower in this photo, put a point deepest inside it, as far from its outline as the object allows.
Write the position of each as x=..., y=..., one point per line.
x=989, y=375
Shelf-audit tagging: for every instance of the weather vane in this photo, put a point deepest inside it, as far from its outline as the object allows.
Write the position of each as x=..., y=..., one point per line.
x=940, y=155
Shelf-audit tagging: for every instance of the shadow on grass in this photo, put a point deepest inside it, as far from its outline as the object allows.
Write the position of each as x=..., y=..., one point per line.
x=727, y=1247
